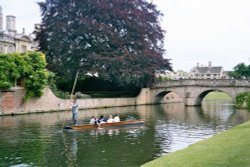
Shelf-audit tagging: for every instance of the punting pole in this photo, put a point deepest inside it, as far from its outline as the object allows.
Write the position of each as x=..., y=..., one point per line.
x=71, y=95
x=74, y=85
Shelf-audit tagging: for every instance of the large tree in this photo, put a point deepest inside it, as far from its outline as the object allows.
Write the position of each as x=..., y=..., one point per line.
x=120, y=40
x=241, y=71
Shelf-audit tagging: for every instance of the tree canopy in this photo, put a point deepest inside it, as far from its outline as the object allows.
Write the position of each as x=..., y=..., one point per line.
x=118, y=40
x=241, y=71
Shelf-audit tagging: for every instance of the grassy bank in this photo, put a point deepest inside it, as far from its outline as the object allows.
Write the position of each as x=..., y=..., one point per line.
x=217, y=95
x=229, y=148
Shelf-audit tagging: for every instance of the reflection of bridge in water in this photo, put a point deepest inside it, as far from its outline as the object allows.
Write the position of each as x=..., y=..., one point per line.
x=192, y=91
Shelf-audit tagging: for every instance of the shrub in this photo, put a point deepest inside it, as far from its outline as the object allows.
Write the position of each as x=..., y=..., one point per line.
x=243, y=100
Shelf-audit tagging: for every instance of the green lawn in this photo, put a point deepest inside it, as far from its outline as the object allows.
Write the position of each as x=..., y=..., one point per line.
x=217, y=95
x=227, y=149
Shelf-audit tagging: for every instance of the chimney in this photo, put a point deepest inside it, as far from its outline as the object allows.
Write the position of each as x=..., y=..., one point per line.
x=1, y=19
x=209, y=64
x=197, y=64
x=11, y=23
x=23, y=31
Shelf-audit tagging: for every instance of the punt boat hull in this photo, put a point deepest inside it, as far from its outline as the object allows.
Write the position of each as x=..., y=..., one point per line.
x=113, y=124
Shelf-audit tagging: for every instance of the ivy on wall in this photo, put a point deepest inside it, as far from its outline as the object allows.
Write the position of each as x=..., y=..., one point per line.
x=29, y=67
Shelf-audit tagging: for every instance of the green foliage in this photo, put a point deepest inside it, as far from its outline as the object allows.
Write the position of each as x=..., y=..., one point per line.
x=162, y=78
x=10, y=69
x=96, y=87
x=29, y=67
x=240, y=71
x=243, y=99
x=54, y=89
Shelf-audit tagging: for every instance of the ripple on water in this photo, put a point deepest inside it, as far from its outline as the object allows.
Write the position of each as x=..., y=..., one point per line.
x=172, y=136
x=166, y=130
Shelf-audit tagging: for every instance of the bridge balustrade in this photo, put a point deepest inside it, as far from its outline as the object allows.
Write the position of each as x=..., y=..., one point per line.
x=203, y=82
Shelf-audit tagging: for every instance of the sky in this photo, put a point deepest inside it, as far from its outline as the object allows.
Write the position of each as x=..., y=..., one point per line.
x=197, y=31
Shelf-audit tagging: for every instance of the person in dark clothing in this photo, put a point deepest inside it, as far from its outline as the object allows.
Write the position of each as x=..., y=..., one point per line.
x=101, y=120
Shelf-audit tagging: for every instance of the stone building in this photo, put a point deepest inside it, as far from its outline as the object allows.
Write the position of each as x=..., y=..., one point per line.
x=11, y=40
x=208, y=72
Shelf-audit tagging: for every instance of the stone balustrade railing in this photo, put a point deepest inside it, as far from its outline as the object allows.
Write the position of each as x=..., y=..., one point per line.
x=203, y=82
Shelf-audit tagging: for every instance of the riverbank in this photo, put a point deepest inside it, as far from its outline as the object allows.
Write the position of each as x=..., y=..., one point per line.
x=229, y=148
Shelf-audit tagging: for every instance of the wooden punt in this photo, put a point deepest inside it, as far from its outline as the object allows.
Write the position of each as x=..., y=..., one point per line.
x=113, y=124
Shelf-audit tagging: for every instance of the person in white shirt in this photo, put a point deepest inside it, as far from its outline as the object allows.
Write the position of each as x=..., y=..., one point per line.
x=116, y=118
x=110, y=119
x=92, y=120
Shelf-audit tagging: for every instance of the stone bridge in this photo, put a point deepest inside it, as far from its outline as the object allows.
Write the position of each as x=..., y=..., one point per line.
x=192, y=91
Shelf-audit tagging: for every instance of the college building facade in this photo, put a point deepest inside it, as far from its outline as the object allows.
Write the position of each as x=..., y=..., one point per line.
x=11, y=40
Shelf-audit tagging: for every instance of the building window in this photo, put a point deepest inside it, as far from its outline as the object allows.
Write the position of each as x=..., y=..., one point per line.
x=23, y=48
x=20, y=82
x=10, y=49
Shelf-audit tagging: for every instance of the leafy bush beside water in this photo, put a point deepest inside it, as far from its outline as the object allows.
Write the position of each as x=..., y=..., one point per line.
x=243, y=100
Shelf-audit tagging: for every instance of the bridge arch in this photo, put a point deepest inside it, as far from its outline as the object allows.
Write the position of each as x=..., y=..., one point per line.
x=174, y=96
x=160, y=95
x=203, y=94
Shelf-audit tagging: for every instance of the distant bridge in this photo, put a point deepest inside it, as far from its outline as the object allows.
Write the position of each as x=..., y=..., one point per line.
x=192, y=91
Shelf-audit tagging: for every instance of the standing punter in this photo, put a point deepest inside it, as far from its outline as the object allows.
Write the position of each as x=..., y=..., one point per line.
x=74, y=111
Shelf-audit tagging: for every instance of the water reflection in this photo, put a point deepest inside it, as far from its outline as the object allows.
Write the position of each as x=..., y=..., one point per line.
x=179, y=126
x=38, y=139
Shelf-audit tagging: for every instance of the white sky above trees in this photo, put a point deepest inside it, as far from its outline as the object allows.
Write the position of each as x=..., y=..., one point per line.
x=198, y=31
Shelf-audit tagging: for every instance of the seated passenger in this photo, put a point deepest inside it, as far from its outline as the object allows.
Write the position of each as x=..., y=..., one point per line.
x=116, y=118
x=92, y=120
x=110, y=119
x=101, y=120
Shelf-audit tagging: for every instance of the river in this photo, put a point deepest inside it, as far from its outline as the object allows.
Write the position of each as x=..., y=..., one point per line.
x=38, y=139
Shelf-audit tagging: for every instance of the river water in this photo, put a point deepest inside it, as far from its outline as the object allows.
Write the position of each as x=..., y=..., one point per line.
x=38, y=139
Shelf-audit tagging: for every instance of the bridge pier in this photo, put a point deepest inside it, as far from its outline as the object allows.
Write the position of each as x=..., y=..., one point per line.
x=191, y=101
